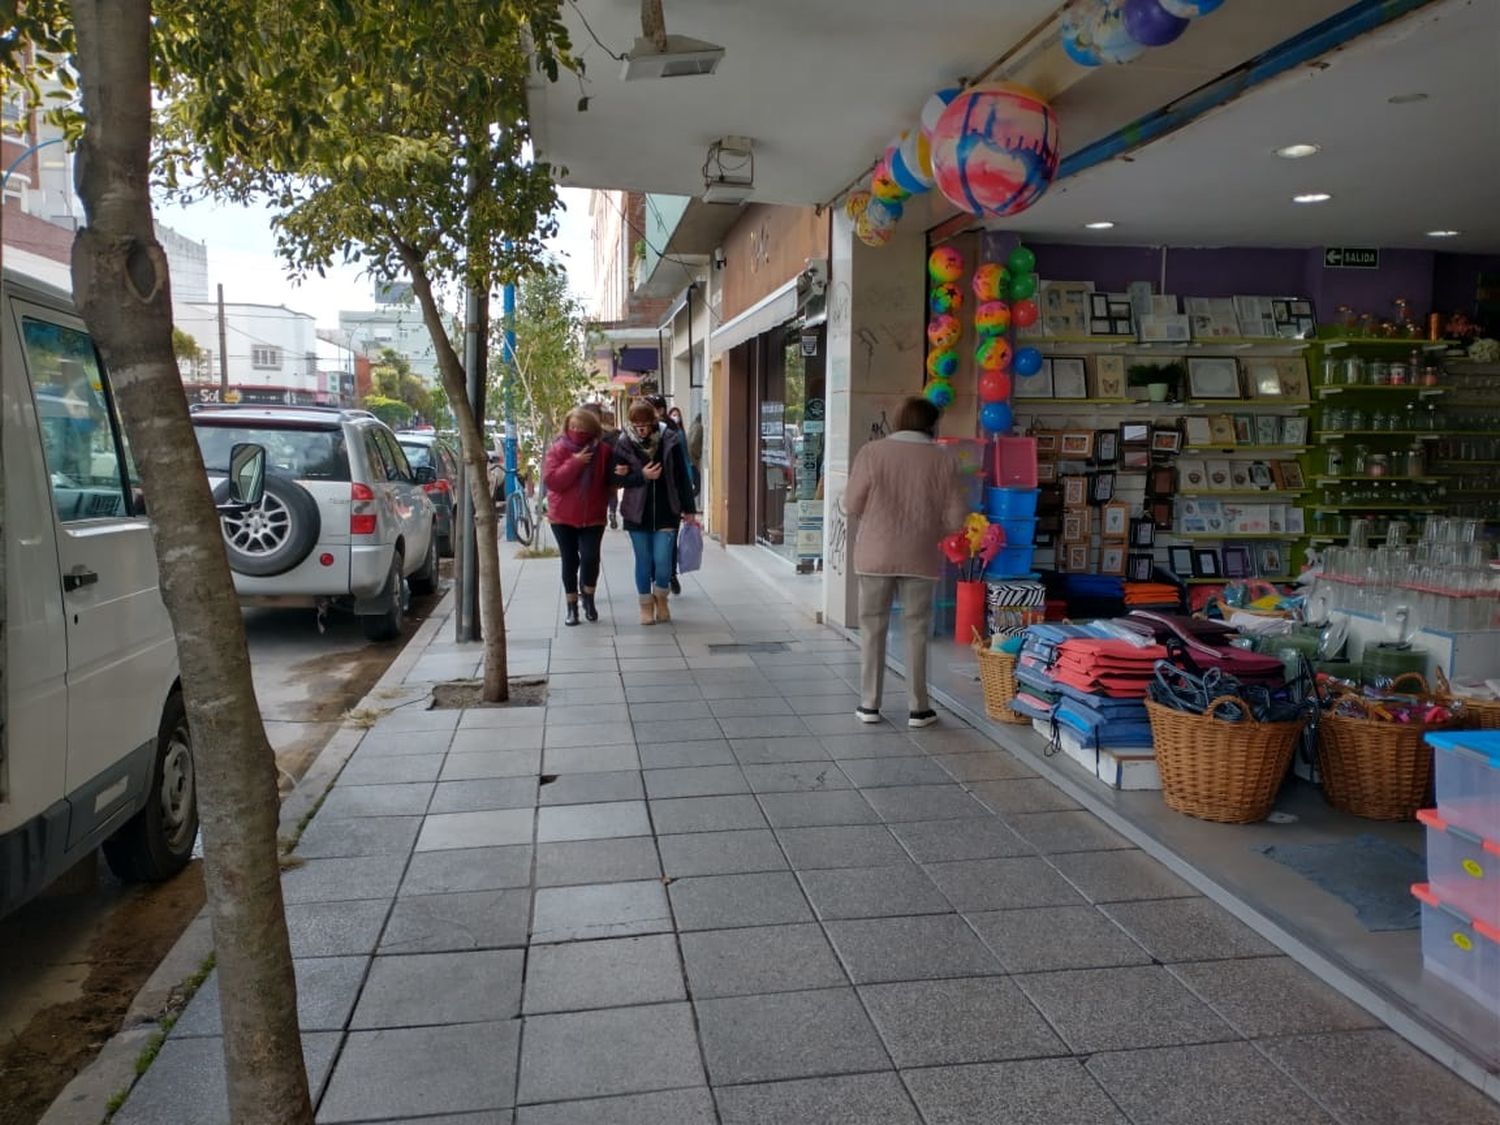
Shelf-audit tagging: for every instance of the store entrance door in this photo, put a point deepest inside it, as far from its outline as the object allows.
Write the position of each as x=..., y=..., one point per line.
x=789, y=416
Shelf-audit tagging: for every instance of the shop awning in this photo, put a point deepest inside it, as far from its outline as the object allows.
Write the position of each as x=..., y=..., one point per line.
x=625, y=379
x=764, y=315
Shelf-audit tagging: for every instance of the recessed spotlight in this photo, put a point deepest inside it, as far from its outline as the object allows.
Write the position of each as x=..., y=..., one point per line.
x=1297, y=152
x=1312, y=197
x=1102, y=224
x=1444, y=233
x=1406, y=99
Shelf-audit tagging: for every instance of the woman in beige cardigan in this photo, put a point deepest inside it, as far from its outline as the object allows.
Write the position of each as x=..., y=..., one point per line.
x=906, y=492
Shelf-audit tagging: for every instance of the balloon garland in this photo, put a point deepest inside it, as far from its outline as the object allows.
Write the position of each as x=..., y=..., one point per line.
x=1095, y=32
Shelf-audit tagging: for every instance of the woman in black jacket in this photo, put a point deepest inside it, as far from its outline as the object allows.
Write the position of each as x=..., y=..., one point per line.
x=658, y=497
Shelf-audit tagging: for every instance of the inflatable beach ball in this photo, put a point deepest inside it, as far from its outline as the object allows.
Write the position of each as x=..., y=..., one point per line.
x=944, y=331
x=1094, y=32
x=1150, y=23
x=989, y=282
x=946, y=298
x=939, y=392
x=996, y=417
x=933, y=108
x=945, y=264
x=855, y=205
x=878, y=222
x=909, y=163
x=1190, y=9
x=993, y=354
x=995, y=150
x=992, y=318
x=942, y=363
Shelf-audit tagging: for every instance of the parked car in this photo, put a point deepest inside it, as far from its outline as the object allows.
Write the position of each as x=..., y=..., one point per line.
x=346, y=522
x=428, y=450
x=98, y=749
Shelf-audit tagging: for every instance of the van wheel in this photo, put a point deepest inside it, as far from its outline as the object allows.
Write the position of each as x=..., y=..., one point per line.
x=157, y=842
x=425, y=581
x=386, y=625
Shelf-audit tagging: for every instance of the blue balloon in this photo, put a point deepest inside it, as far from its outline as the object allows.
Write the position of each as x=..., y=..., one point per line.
x=996, y=417
x=1028, y=361
x=1191, y=9
x=1151, y=25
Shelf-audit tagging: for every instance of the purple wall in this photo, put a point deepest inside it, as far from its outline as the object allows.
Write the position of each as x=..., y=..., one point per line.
x=1455, y=279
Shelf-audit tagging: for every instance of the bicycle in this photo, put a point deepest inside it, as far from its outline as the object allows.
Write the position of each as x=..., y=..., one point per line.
x=518, y=514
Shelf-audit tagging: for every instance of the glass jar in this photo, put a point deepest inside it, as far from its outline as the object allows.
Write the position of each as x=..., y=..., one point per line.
x=1400, y=374
x=1416, y=463
x=1361, y=459
x=1354, y=371
x=1378, y=465
x=1430, y=376
x=1331, y=371
x=1380, y=372
x=1335, y=418
x=1357, y=420
x=1335, y=461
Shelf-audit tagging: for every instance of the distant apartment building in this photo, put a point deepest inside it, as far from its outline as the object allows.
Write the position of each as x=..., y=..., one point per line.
x=395, y=323
x=272, y=354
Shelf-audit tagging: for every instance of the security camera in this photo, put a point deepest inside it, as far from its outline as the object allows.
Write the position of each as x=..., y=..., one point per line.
x=719, y=257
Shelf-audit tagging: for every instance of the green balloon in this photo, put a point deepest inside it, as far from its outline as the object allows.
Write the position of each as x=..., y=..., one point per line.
x=1021, y=260
x=1022, y=286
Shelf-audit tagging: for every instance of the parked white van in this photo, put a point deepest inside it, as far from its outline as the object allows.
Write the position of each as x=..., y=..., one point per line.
x=97, y=749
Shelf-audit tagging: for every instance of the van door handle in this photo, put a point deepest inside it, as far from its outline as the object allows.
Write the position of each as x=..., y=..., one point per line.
x=78, y=578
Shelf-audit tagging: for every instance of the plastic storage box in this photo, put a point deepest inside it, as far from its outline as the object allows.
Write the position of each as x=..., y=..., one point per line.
x=970, y=453
x=1468, y=779
x=1011, y=562
x=1459, y=950
x=1463, y=869
x=1019, y=533
x=1010, y=503
x=1015, y=462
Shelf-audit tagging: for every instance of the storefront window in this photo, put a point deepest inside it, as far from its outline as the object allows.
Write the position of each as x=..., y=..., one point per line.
x=790, y=414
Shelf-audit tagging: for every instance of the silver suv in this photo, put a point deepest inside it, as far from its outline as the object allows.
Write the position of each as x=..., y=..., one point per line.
x=345, y=522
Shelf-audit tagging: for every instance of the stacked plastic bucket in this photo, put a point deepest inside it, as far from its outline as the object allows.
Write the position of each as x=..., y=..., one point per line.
x=1012, y=504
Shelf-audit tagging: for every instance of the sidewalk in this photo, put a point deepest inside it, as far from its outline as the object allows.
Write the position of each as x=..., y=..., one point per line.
x=694, y=889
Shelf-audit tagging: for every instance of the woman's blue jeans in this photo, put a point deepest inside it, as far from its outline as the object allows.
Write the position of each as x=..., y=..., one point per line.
x=653, y=559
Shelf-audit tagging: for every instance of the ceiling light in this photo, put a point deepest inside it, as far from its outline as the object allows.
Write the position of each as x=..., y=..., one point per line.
x=1102, y=224
x=1297, y=151
x=1407, y=99
x=1312, y=197
x=1444, y=233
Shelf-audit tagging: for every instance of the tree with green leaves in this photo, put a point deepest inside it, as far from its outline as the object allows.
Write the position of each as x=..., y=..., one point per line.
x=392, y=381
x=191, y=358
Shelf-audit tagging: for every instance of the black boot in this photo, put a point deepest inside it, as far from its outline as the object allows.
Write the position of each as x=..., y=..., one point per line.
x=590, y=611
x=572, y=618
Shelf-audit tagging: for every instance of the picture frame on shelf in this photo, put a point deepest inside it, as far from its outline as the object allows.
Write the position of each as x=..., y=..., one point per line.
x=1211, y=318
x=1034, y=386
x=1248, y=519
x=1215, y=516
x=1166, y=439
x=1239, y=476
x=1116, y=522
x=1262, y=378
x=1112, y=558
x=1267, y=429
x=1236, y=561
x=1069, y=377
x=1162, y=481
x=1196, y=430
x=1140, y=568
x=1272, y=561
x=1180, y=559
x=1108, y=377
x=1255, y=316
x=1046, y=472
x=1294, y=318
x=1206, y=563
x=1076, y=445
x=1076, y=525
x=1099, y=314
x=1106, y=446
x=1164, y=328
x=1046, y=443
x=1066, y=307
x=1276, y=520
x=1136, y=459
x=1121, y=319
x=1133, y=434
x=1101, y=488
x=1219, y=474
x=1078, y=557
x=1291, y=372
x=1213, y=377
x=1294, y=430
x=1296, y=521
x=1075, y=492
x=1192, y=474
x=1142, y=533
x=1261, y=475
x=1221, y=431
x=1244, y=429
x=1161, y=514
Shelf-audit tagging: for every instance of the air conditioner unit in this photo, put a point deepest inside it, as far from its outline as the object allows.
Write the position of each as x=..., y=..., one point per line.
x=683, y=58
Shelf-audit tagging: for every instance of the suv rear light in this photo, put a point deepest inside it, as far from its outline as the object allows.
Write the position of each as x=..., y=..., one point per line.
x=439, y=485
x=361, y=509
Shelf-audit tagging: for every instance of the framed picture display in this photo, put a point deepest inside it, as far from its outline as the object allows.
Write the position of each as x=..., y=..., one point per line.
x=1196, y=430
x=1267, y=429
x=1262, y=378
x=1291, y=373
x=1035, y=386
x=1075, y=525
x=1213, y=377
x=1076, y=445
x=1192, y=475
x=1116, y=523
x=1180, y=559
x=1109, y=377
x=1162, y=481
x=1098, y=314
x=1078, y=557
x=1102, y=488
x=1046, y=472
x=1106, y=446
x=1069, y=377
x=1140, y=568
x=1272, y=561
x=1166, y=439
x=1066, y=307
x=1244, y=429
x=1221, y=431
x=1135, y=434
x=1219, y=475
x=1136, y=458
x=1288, y=476
x=1075, y=492
x=1261, y=475
x=1211, y=318
x=1294, y=430
x=1236, y=561
x=1046, y=443
x=1142, y=533
x=1165, y=328
x=1239, y=476
x=1293, y=317
x=1255, y=316
x=1296, y=521
x=1161, y=514
x=1121, y=321
x=1206, y=563
x=1112, y=558
x=1276, y=521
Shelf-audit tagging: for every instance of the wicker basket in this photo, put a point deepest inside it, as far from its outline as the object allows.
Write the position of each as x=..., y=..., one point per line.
x=1483, y=713
x=1374, y=767
x=1216, y=770
x=997, y=675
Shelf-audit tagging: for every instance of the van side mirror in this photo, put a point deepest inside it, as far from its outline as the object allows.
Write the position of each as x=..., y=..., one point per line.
x=247, y=475
x=424, y=474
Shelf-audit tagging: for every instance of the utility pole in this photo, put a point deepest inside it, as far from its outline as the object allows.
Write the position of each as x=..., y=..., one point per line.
x=512, y=445
x=223, y=351
x=467, y=621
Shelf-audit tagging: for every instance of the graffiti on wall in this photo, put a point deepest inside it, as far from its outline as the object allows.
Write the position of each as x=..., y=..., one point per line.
x=836, y=546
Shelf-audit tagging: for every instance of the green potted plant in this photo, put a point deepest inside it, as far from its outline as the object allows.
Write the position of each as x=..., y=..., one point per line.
x=1161, y=380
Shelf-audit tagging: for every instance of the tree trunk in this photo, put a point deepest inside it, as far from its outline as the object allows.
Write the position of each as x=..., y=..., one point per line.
x=121, y=284
x=471, y=442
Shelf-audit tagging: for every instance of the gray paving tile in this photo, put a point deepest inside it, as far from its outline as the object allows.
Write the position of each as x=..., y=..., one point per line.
x=467, y=869
x=788, y=1035
x=630, y=664
x=953, y=740
x=809, y=810
x=852, y=845
x=503, y=740
x=407, y=719
x=732, y=689
x=409, y=1072
x=492, y=828
x=945, y=1022
x=1188, y=929
x=385, y=744
x=376, y=800
x=604, y=974
x=610, y=1051
x=670, y=711
x=992, y=765
x=837, y=703
x=186, y=1081
x=764, y=726
x=356, y=836
x=486, y=793
x=1031, y=1092
x=749, y=708
x=591, y=759
x=497, y=718
x=585, y=736
x=592, y=788
x=440, y=988
x=853, y=1099
x=765, y=751
x=1054, y=832
x=458, y=921
x=1003, y=884
x=560, y=823
x=1057, y=937
x=1120, y=876
x=606, y=714
x=326, y=990
x=872, y=892
x=746, y=962
x=934, y=841
x=334, y=929
x=492, y=763
x=397, y=769
x=1022, y=795
x=584, y=913
x=695, y=781
x=1115, y=1009
x=597, y=861
x=843, y=721
x=706, y=814
x=338, y=880
x=929, y=947
x=893, y=745
x=721, y=853
x=662, y=693
x=1267, y=996
x=679, y=755
x=924, y=802
x=878, y=773
x=795, y=777
x=669, y=1107
x=715, y=902
x=1229, y=1082
x=677, y=730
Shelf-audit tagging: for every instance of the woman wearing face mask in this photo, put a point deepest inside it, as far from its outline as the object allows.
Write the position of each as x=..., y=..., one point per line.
x=580, y=473
x=658, y=498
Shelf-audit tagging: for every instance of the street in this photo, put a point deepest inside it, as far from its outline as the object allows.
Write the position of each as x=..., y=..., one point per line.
x=71, y=961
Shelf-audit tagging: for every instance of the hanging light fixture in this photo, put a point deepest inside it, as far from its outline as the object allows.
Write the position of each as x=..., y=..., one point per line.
x=729, y=171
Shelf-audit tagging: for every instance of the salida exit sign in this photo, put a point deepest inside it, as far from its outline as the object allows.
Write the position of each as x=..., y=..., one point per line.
x=1350, y=258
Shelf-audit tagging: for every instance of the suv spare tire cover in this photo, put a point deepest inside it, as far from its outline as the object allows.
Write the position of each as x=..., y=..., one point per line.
x=302, y=531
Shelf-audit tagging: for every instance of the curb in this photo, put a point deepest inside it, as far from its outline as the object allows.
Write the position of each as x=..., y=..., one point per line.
x=85, y=1099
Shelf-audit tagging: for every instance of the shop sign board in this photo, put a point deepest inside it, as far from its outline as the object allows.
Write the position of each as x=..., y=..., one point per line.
x=810, y=344
x=1350, y=258
x=810, y=532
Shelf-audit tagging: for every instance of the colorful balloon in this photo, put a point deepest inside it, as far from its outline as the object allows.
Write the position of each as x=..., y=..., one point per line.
x=993, y=353
x=855, y=205
x=1151, y=24
x=900, y=161
x=946, y=298
x=994, y=386
x=933, y=108
x=996, y=417
x=882, y=213
x=1191, y=9
x=995, y=150
x=875, y=227
x=1028, y=362
x=883, y=186
x=942, y=363
x=992, y=318
x=1077, y=38
x=945, y=264
x=944, y=331
x=1024, y=312
x=1111, y=39
x=916, y=157
x=940, y=393
x=989, y=281
x=1021, y=260
x=1021, y=287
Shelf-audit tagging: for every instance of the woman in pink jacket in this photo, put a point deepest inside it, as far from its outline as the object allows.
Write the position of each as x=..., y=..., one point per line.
x=907, y=494
x=579, y=473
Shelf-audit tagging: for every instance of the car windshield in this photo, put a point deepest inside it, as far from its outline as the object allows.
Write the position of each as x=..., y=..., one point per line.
x=300, y=454
x=419, y=454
